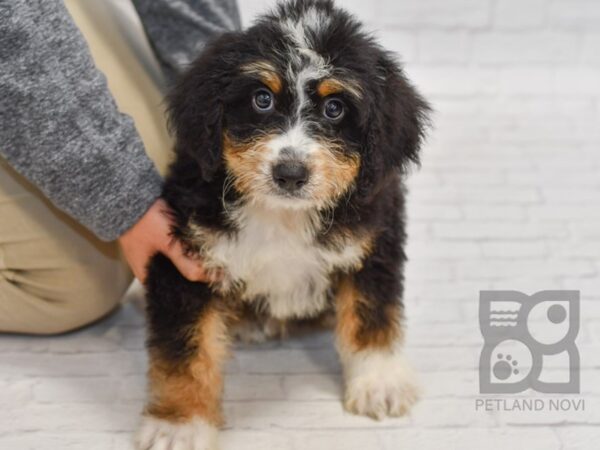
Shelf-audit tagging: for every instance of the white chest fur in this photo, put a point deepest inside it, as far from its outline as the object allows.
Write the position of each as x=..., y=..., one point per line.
x=275, y=256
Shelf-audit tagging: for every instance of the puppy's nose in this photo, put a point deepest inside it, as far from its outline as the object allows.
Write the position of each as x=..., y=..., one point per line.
x=290, y=175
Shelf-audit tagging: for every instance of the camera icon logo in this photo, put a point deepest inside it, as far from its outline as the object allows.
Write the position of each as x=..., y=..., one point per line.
x=529, y=342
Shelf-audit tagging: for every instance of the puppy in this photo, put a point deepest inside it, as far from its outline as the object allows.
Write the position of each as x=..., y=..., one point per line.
x=291, y=141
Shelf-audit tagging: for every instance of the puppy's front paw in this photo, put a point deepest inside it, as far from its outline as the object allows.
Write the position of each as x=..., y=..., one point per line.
x=158, y=434
x=379, y=385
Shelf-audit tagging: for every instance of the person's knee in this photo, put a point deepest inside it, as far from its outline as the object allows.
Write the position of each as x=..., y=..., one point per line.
x=90, y=298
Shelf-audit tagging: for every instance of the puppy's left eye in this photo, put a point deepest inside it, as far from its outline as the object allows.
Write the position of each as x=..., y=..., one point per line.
x=334, y=110
x=262, y=101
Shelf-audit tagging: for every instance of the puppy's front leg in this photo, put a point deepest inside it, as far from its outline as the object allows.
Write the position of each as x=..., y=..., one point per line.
x=379, y=382
x=188, y=345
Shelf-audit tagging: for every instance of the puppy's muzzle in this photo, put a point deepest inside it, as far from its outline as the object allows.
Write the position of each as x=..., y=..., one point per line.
x=290, y=175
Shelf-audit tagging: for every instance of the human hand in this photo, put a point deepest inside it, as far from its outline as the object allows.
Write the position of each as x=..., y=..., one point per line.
x=151, y=234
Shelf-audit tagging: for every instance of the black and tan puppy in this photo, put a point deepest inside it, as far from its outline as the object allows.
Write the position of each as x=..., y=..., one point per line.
x=291, y=141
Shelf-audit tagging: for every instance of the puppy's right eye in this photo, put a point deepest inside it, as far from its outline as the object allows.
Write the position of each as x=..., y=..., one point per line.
x=333, y=110
x=262, y=101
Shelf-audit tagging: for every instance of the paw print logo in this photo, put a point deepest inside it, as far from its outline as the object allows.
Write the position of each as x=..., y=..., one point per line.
x=521, y=334
x=510, y=363
x=505, y=367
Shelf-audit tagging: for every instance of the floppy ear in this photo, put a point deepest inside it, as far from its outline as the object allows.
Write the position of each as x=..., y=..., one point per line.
x=397, y=123
x=195, y=105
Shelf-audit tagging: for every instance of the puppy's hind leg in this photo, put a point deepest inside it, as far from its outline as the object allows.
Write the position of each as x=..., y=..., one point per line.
x=188, y=345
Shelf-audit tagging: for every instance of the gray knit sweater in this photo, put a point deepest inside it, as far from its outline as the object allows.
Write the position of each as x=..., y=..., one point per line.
x=59, y=125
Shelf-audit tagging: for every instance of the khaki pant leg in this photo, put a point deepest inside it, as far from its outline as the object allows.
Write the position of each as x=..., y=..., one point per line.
x=55, y=275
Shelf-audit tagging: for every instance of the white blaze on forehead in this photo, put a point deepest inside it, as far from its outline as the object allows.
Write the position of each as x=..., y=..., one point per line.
x=306, y=75
x=305, y=63
x=312, y=21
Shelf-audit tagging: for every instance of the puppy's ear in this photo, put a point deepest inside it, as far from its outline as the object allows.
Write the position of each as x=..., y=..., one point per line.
x=196, y=104
x=397, y=124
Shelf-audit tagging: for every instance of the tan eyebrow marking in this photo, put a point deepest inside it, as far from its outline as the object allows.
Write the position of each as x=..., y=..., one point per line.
x=336, y=86
x=266, y=72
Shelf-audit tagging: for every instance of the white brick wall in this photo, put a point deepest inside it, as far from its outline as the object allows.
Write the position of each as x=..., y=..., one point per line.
x=518, y=14
x=508, y=197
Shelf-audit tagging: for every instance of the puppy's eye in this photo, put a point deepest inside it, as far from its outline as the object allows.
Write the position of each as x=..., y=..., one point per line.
x=333, y=109
x=262, y=101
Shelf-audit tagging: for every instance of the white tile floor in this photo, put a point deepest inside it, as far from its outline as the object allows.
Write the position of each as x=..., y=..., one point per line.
x=508, y=197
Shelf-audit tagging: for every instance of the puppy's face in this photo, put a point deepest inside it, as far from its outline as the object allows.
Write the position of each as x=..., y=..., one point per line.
x=291, y=138
x=303, y=109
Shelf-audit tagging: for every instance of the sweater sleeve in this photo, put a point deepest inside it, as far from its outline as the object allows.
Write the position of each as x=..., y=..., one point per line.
x=179, y=29
x=59, y=125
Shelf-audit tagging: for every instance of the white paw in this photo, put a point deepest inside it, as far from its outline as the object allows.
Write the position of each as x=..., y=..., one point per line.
x=158, y=434
x=379, y=384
